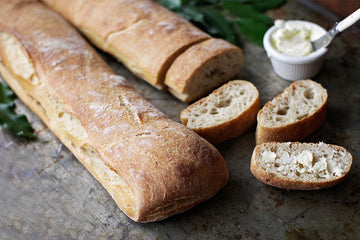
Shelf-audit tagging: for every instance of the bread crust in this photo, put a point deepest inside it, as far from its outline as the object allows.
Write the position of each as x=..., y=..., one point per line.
x=152, y=166
x=287, y=183
x=149, y=39
x=294, y=131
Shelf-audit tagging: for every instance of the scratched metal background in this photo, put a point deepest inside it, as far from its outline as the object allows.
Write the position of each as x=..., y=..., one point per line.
x=45, y=193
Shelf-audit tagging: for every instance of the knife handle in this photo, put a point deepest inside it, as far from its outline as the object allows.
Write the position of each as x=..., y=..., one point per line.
x=348, y=21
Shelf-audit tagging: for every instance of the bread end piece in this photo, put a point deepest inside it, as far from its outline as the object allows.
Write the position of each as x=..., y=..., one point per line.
x=226, y=113
x=213, y=62
x=300, y=166
x=294, y=114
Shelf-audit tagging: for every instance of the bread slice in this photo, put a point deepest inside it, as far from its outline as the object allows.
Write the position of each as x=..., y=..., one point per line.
x=294, y=114
x=226, y=113
x=300, y=166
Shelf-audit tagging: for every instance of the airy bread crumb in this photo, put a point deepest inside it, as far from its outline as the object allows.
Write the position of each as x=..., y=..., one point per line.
x=224, y=114
x=294, y=114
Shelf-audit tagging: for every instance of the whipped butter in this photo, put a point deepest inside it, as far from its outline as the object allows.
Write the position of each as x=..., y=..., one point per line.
x=294, y=38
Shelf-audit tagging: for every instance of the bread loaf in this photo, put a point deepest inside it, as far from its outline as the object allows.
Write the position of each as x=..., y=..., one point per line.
x=300, y=166
x=226, y=113
x=149, y=39
x=294, y=114
x=152, y=166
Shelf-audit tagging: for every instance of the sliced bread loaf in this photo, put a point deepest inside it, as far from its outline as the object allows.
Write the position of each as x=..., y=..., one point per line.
x=226, y=113
x=300, y=166
x=294, y=114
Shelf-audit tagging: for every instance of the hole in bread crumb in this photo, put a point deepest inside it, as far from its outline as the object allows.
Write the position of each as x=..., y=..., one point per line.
x=223, y=104
x=214, y=111
x=282, y=111
x=308, y=94
x=278, y=118
x=204, y=110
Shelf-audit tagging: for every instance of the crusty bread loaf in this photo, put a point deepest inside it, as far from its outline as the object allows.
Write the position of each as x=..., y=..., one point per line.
x=226, y=113
x=148, y=38
x=294, y=114
x=300, y=166
x=152, y=166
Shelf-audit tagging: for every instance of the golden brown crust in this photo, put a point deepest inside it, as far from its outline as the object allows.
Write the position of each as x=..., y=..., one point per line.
x=143, y=35
x=148, y=39
x=291, y=184
x=152, y=166
x=294, y=131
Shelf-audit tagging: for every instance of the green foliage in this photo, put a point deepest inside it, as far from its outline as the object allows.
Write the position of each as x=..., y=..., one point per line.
x=17, y=124
x=227, y=18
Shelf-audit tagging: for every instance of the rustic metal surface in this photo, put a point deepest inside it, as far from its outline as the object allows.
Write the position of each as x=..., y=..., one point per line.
x=45, y=193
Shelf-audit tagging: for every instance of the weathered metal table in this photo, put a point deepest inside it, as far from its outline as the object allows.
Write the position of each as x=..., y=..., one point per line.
x=45, y=193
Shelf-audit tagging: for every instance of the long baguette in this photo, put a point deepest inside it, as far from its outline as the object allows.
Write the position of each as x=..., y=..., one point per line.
x=153, y=167
x=149, y=39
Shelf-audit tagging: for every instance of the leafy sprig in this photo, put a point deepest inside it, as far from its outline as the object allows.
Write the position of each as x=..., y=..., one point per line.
x=227, y=18
x=17, y=124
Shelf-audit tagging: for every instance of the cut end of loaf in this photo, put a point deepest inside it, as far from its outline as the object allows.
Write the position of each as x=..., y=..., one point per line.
x=302, y=166
x=213, y=62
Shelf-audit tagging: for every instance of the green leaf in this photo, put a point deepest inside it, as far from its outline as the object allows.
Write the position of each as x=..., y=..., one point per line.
x=225, y=18
x=246, y=11
x=6, y=94
x=203, y=2
x=17, y=124
x=263, y=5
x=193, y=14
x=171, y=4
x=260, y=5
x=219, y=25
x=252, y=29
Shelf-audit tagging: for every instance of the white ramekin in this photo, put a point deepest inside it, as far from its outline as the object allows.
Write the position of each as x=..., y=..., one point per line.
x=295, y=68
